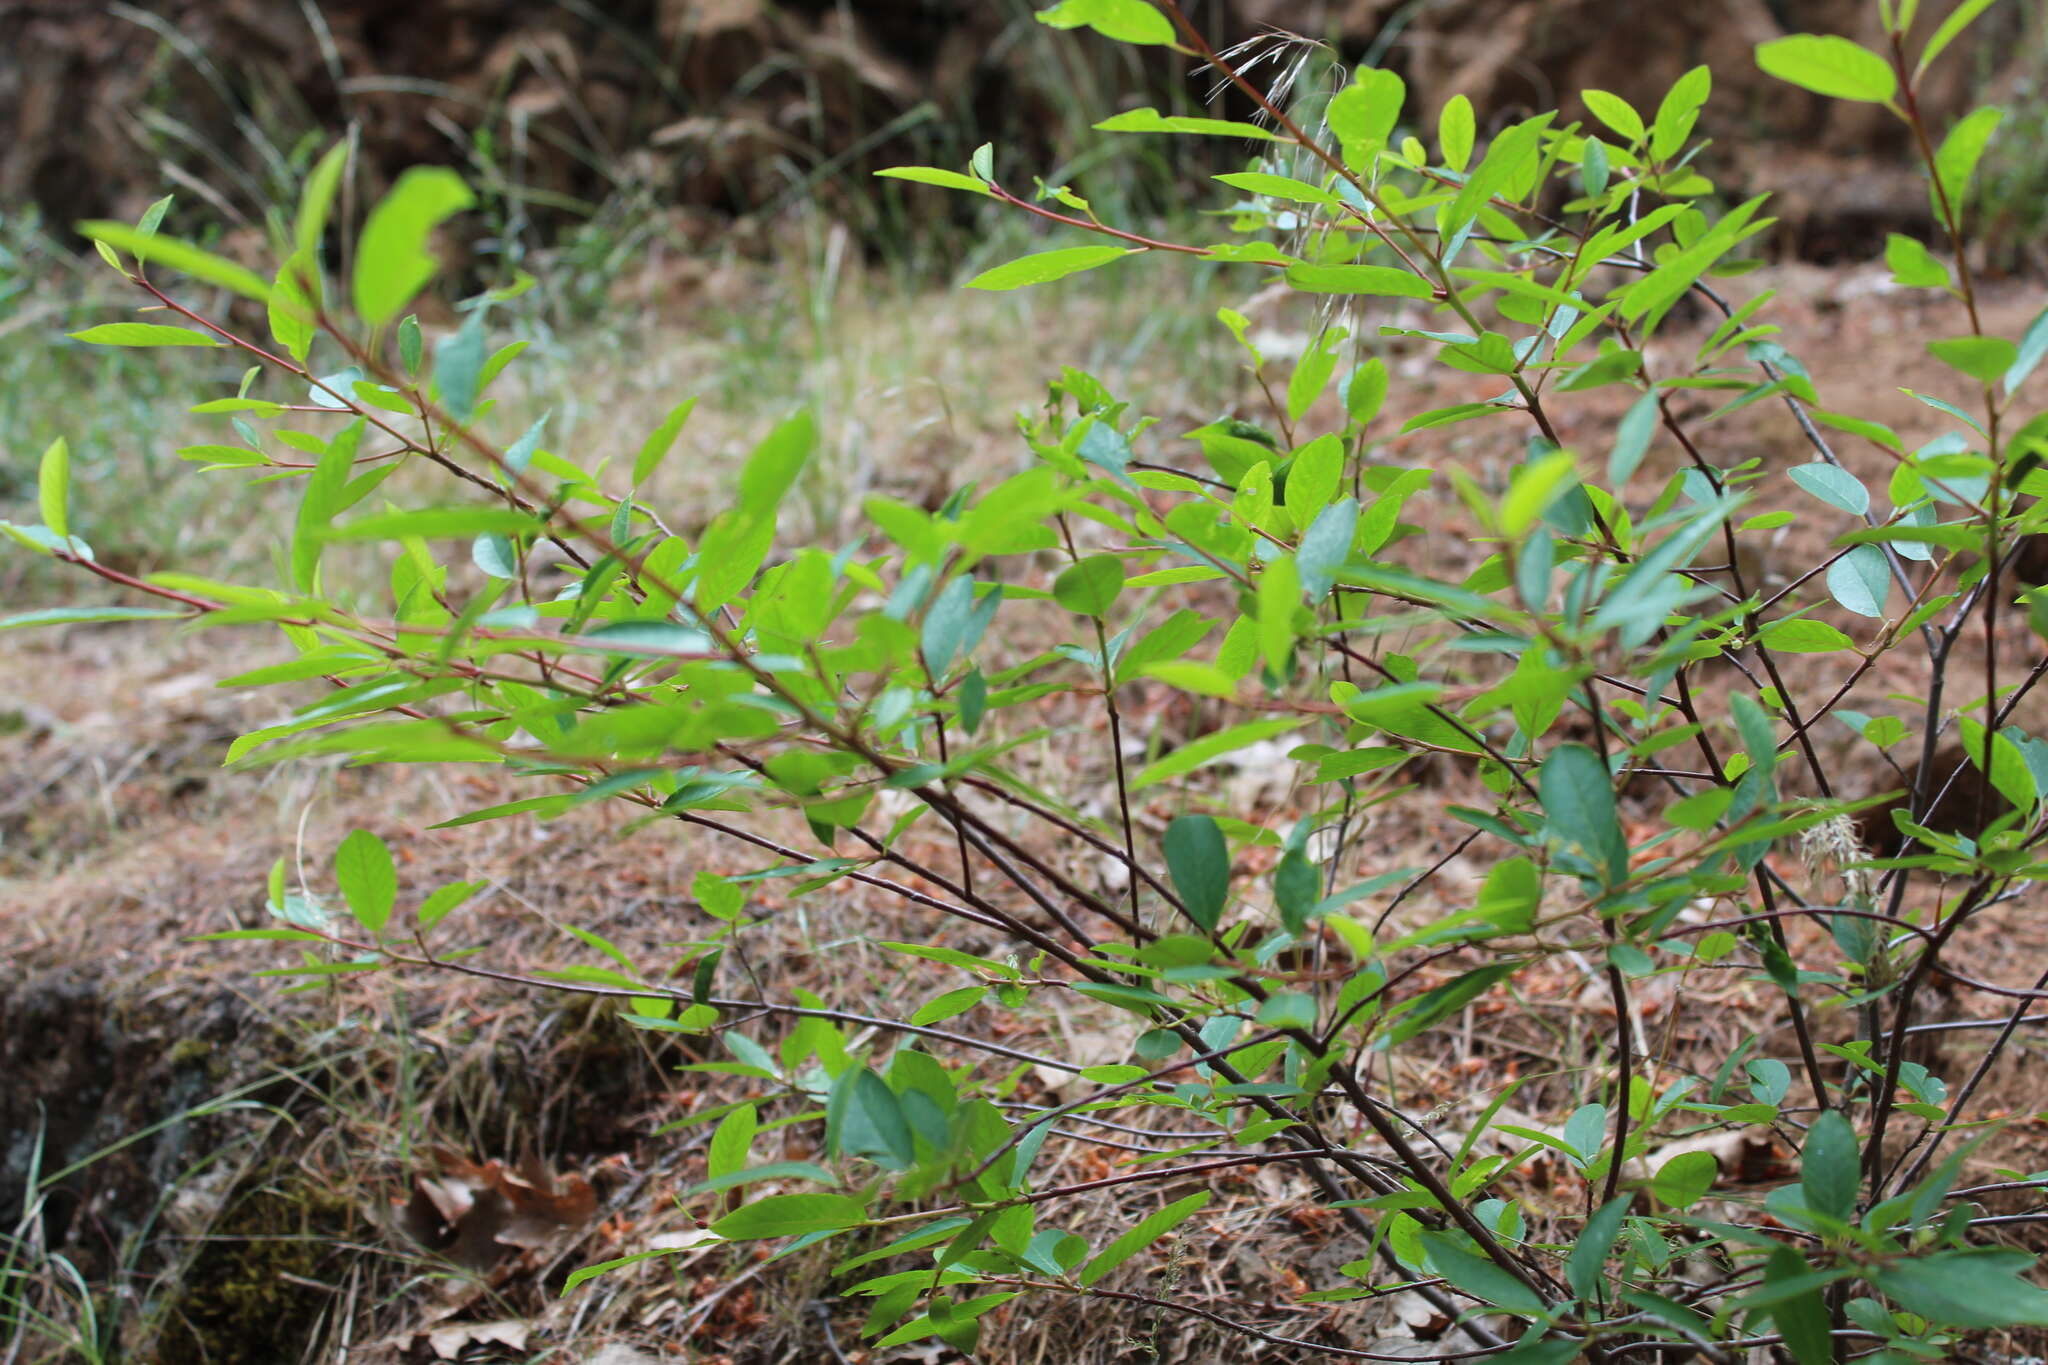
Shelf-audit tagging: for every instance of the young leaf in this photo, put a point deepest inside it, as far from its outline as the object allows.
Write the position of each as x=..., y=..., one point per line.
x=656, y=447
x=1912, y=264
x=53, y=486
x=1150, y=120
x=292, y=307
x=1617, y=113
x=1044, y=266
x=1956, y=161
x=1384, y=281
x=1454, y=129
x=142, y=334
x=1829, y=64
x=1125, y=21
x=1363, y=113
x=1984, y=359
x=1678, y=111
x=935, y=175
x=1951, y=28
x=317, y=199
x=362, y=866
x=159, y=250
x=392, y=262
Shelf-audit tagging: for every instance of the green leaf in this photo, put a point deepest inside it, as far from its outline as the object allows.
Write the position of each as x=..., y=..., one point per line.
x=946, y=1006
x=1288, y=1009
x=1513, y=152
x=772, y=467
x=1678, y=112
x=1150, y=120
x=435, y=523
x=774, y=1170
x=1588, y=1259
x=2033, y=346
x=1829, y=64
x=1802, y=1316
x=442, y=900
x=1912, y=264
x=1478, y=1276
x=658, y=442
x=1197, y=752
x=1959, y=19
x=495, y=556
x=1440, y=1002
x=1578, y=806
x=143, y=334
x=392, y=262
x=1685, y=1179
x=1830, y=1166
x=369, y=883
x=731, y=1141
x=1966, y=1288
x=864, y=1117
x=1363, y=113
x=1044, y=266
x=1801, y=636
x=1279, y=598
x=459, y=367
x=1454, y=129
x=1281, y=187
x=292, y=296
x=1198, y=860
x=67, y=616
x=1090, y=586
x=1956, y=160
x=2011, y=775
x=1383, y=281
x=1632, y=438
x=1984, y=359
x=317, y=199
x=169, y=251
x=53, y=486
x=934, y=175
x=1617, y=113
x=1861, y=581
x=1700, y=810
x=1832, y=485
x=1141, y=1236
x=789, y=1215
x=1125, y=21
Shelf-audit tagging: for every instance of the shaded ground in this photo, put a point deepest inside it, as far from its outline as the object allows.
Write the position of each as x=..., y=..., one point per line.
x=121, y=837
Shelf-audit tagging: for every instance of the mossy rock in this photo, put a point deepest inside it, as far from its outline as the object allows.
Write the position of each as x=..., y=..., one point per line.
x=250, y=1294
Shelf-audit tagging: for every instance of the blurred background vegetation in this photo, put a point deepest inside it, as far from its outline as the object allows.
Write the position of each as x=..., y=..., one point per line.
x=689, y=183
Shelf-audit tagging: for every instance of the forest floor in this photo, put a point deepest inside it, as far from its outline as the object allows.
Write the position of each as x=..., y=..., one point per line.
x=249, y=1149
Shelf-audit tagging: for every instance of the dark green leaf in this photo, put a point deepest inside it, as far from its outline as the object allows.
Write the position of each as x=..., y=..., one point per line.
x=789, y=1215
x=1198, y=860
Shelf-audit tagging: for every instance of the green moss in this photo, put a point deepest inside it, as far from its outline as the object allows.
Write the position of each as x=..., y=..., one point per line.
x=235, y=1305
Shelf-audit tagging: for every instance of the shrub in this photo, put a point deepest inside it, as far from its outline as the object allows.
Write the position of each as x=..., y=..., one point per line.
x=819, y=707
